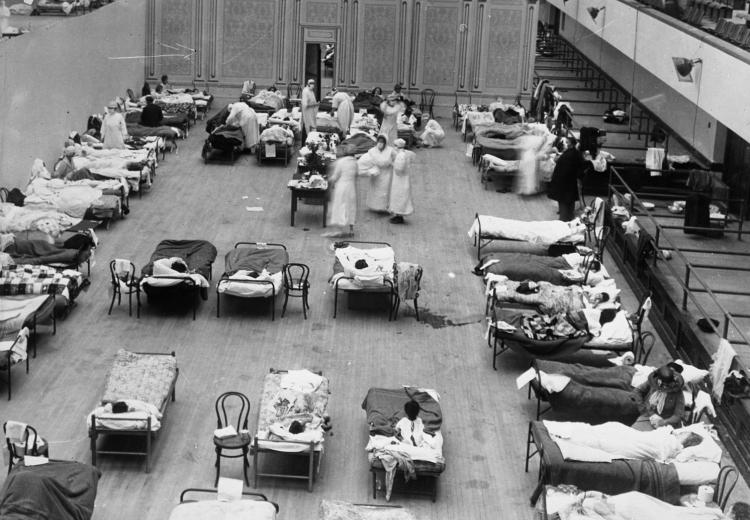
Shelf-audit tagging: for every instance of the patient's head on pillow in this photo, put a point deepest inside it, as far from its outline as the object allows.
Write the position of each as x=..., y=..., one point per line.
x=119, y=407
x=411, y=409
x=360, y=264
x=689, y=439
x=740, y=511
x=296, y=427
x=179, y=266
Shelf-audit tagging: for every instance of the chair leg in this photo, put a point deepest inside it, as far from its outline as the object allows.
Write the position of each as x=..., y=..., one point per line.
x=245, y=465
x=218, y=466
x=130, y=303
x=416, y=308
x=286, y=299
x=112, y=303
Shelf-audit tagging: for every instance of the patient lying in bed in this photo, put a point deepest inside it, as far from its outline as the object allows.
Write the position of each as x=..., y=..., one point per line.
x=609, y=441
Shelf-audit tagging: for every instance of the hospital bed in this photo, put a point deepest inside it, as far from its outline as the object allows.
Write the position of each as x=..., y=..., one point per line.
x=177, y=104
x=68, y=197
x=59, y=490
x=276, y=143
x=165, y=286
x=338, y=510
x=71, y=250
x=253, y=270
x=291, y=395
x=377, y=280
x=384, y=408
x=146, y=381
x=22, y=279
x=266, y=102
x=18, y=219
x=485, y=229
x=599, y=394
x=137, y=167
x=224, y=145
x=253, y=506
x=660, y=480
x=17, y=312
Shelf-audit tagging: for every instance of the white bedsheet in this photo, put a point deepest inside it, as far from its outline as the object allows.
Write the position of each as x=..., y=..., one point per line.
x=609, y=441
x=14, y=219
x=134, y=419
x=379, y=267
x=241, y=285
x=432, y=453
x=214, y=509
x=615, y=332
x=162, y=267
x=536, y=232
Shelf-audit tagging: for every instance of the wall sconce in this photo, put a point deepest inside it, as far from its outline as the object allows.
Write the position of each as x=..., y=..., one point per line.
x=684, y=68
x=594, y=12
x=463, y=28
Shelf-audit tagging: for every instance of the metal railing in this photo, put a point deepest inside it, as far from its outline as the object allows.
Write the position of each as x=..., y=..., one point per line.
x=620, y=189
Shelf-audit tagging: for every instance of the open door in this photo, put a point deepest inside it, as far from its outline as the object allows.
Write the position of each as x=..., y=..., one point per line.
x=320, y=59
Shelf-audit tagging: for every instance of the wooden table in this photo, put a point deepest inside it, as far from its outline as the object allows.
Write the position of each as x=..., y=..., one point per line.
x=315, y=194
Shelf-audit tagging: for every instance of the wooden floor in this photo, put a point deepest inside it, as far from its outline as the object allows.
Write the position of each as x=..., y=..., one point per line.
x=485, y=416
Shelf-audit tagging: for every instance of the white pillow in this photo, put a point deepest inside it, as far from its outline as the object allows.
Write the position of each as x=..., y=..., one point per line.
x=691, y=374
x=696, y=473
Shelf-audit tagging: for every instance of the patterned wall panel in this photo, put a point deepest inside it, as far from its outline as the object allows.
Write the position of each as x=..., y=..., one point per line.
x=378, y=43
x=248, y=38
x=176, y=29
x=503, y=47
x=439, y=54
x=322, y=13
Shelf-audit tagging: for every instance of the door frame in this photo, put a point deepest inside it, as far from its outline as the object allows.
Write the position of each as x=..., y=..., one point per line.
x=319, y=35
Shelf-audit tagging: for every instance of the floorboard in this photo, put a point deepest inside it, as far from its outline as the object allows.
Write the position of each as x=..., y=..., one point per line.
x=485, y=415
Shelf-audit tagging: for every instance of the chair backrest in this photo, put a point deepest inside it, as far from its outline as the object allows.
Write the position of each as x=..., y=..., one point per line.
x=643, y=311
x=131, y=95
x=296, y=275
x=427, y=97
x=19, y=447
x=725, y=483
x=229, y=402
x=122, y=272
x=294, y=90
x=3, y=194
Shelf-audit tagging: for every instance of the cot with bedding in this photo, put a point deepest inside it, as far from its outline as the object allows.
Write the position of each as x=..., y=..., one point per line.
x=176, y=120
x=146, y=382
x=253, y=270
x=22, y=279
x=485, y=229
x=520, y=267
x=69, y=251
x=338, y=510
x=71, y=196
x=63, y=490
x=384, y=408
x=256, y=507
x=165, y=286
x=266, y=102
x=292, y=396
x=17, y=312
x=65, y=8
x=182, y=103
x=660, y=480
x=276, y=143
x=136, y=167
x=224, y=144
x=17, y=219
x=375, y=277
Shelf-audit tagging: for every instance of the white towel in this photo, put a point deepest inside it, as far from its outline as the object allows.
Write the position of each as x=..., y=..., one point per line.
x=15, y=431
x=721, y=366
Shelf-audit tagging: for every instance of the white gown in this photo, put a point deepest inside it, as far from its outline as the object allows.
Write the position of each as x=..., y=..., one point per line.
x=344, y=108
x=400, y=202
x=379, y=165
x=241, y=115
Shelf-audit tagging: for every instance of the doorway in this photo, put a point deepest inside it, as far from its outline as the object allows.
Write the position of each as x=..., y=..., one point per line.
x=320, y=59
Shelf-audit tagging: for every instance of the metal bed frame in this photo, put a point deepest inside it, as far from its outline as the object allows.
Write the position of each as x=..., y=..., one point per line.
x=313, y=457
x=95, y=431
x=226, y=279
x=387, y=284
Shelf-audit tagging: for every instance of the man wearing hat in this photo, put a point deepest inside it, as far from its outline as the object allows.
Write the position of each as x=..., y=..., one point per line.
x=66, y=169
x=399, y=202
x=662, y=400
x=391, y=108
